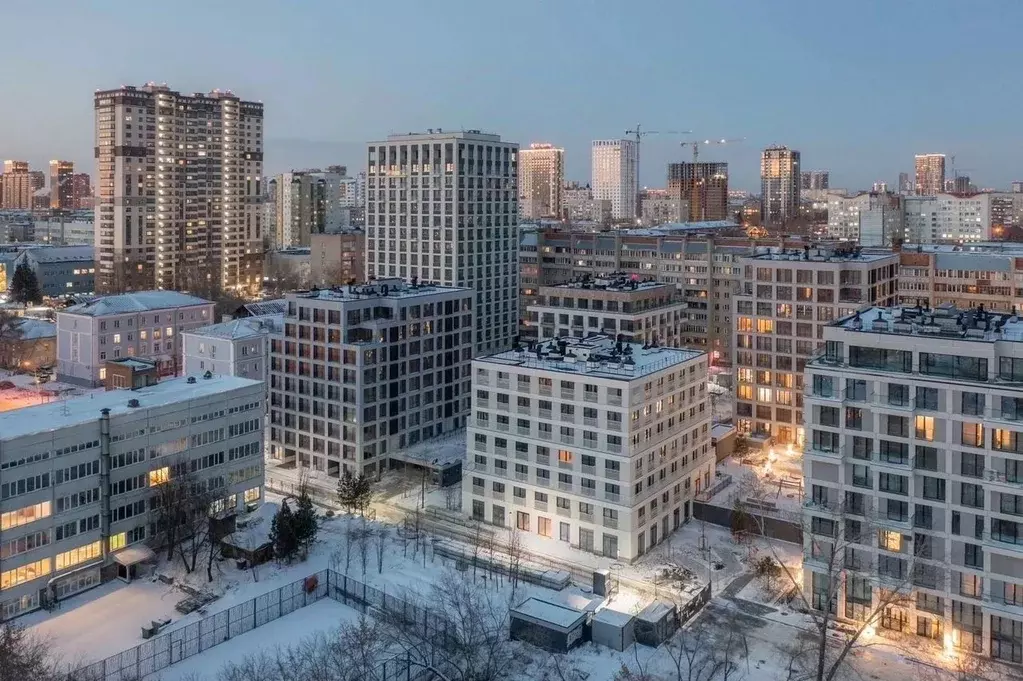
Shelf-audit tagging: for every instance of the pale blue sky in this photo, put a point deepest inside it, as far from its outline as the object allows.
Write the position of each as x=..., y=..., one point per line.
x=858, y=86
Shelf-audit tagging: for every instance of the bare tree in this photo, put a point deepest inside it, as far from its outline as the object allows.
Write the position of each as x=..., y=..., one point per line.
x=515, y=552
x=363, y=542
x=197, y=523
x=350, y=534
x=173, y=502
x=382, y=534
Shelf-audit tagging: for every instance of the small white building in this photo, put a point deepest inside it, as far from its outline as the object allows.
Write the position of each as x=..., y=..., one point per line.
x=144, y=324
x=240, y=347
x=589, y=442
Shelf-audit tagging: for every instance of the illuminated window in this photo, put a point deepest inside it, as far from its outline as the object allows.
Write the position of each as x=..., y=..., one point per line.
x=744, y=324
x=118, y=541
x=564, y=456
x=24, y=516
x=143, y=335
x=745, y=375
x=102, y=373
x=745, y=392
x=764, y=395
x=783, y=397
x=159, y=476
x=78, y=556
x=925, y=427
x=170, y=331
x=25, y=573
x=543, y=526
x=765, y=326
x=250, y=495
x=117, y=338
x=889, y=540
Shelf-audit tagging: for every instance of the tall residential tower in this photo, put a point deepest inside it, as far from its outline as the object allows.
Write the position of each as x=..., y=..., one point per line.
x=704, y=186
x=443, y=207
x=615, y=176
x=62, y=189
x=930, y=174
x=779, y=185
x=541, y=177
x=178, y=190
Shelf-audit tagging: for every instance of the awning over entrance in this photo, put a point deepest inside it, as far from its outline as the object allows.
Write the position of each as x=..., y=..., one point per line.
x=133, y=555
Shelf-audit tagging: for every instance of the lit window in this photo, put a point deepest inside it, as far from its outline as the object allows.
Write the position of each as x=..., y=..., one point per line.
x=159, y=476
x=564, y=456
x=118, y=541
x=889, y=540
x=117, y=338
x=170, y=331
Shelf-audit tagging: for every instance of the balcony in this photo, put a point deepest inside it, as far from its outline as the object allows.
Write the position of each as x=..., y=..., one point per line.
x=545, y=390
x=503, y=383
x=503, y=427
x=478, y=490
x=563, y=512
x=614, y=448
x=614, y=400
x=587, y=421
x=504, y=406
x=996, y=413
x=524, y=477
x=545, y=414
x=519, y=501
x=545, y=434
x=586, y=517
x=540, y=505
x=589, y=470
x=567, y=394
x=543, y=482
x=815, y=450
x=611, y=523
x=589, y=396
x=523, y=409
x=612, y=474
x=497, y=495
x=565, y=486
x=588, y=491
x=522, y=430
x=523, y=387
x=615, y=426
x=828, y=507
x=566, y=439
x=613, y=498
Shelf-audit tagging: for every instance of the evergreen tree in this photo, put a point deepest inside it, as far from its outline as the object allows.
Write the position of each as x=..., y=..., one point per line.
x=363, y=492
x=305, y=523
x=347, y=494
x=25, y=286
x=282, y=533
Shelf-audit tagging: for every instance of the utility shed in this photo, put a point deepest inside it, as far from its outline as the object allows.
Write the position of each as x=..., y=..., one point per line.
x=613, y=629
x=656, y=623
x=550, y=626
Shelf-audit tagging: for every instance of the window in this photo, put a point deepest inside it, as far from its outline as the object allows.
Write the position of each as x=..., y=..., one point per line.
x=159, y=476
x=564, y=456
x=1006, y=639
x=924, y=427
x=882, y=359
x=1006, y=441
x=543, y=526
x=972, y=465
x=972, y=434
x=927, y=398
x=522, y=520
x=934, y=488
x=889, y=540
x=892, y=483
x=972, y=404
x=971, y=495
x=953, y=366
x=973, y=556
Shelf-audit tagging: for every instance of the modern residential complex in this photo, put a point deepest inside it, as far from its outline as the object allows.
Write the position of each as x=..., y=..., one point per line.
x=442, y=207
x=145, y=324
x=603, y=448
x=661, y=206
x=779, y=185
x=16, y=188
x=914, y=464
x=61, y=270
x=62, y=190
x=81, y=478
x=615, y=176
x=362, y=371
x=930, y=174
x=617, y=305
x=81, y=191
x=814, y=179
x=541, y=177
x=787, y=298
x=947, y=218
x=179, y=180
x=704, y=186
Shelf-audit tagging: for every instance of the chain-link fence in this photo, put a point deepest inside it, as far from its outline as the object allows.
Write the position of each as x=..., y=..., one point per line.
x=174, y=646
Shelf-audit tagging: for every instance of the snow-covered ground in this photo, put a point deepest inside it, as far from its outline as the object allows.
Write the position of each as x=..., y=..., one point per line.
x=27, y=393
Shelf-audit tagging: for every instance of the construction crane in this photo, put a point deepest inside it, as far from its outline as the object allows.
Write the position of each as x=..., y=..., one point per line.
x=640, y=133
x=695, y=144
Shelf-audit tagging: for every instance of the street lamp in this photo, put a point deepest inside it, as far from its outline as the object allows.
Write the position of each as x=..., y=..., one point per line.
x=423, y=493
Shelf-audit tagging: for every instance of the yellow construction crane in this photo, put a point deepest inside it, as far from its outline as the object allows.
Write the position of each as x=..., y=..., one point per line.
x=695, y=144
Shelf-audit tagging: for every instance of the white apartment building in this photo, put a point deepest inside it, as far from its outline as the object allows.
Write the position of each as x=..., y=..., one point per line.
x=578, y=205
x=443, y=207
x=178, y=181
x=947, y=218
x=362, y=371
x=603, y=448
x=786, y=300
x=79, y=476
x=914, y=463
x=868, y=218
x=616, y=305
x=615, y=176
x=308, y=202
x=541, y=178
x=239, y=347
x=145, y=324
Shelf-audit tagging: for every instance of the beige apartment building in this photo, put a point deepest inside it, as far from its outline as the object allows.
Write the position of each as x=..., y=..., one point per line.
x=337, y=258
x=988, y=275
x=17, y=186
x=617, y=305
x=787, y=298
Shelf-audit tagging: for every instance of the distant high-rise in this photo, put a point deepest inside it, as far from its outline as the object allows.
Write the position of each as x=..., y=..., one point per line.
x=81, y=191
x=815, y=179
x=38, y=179
x=960, y=184
x=905, y=184
x=61, y=188
x=704, y=185
x=779, y=185
x=541, y=176
x=310, y=202
x=179, y=188
x=17, y=187
x=880, y=187
x=930, y=174
x=615, y=167
x=443, y=207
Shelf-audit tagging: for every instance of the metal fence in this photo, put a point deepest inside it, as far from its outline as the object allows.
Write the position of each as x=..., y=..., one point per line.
x=174, y=646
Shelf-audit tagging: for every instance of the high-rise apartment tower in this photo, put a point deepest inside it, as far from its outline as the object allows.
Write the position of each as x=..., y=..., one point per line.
x=61, y=185
x=930, y=174
x=541, y=177
x=779, y=185
x=704, y=186
x=615, y=176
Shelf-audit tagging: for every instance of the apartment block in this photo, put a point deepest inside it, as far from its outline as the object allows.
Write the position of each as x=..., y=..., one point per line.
x=80, y=476
x=869, y=218
x=541, y=177
x=239, y=347
x=929, y=174
x=704, y=186
x=980, y=275
x=787, y=298
x=947, y=218
x=914, y=464
x=17, y=186
x=615, y=176
x=310, y=202
x=178, y=184
x=338, y=258
x=617, y=305
x=780, y=179
x=145, y=324
x=362, y=371
x=62, y=190
x=61, y=270
x=579, y=205
x=443, y=207
x=610, y=442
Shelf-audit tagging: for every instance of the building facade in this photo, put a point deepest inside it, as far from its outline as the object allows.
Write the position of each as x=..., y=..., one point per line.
x=929, y=174
x=81, y=477
x=362, y=371
x=541, y=177
x=239, y=347
x=779, y=185
x=61, y=270
x=178, y=184
x=704, y=186
x=814, y=179
x=310, y=202
x=146, y=324
x=615, y=176
x=617, y=305
x=868, y=218
x=579, y=206
x=442, y=207
x=17, y=186
x=81, y=191
x=987, y=275
x=338, y=258
x=947, y=218
x=611, y=442
x=787, y=299
x=913, y=464
x=62, y=190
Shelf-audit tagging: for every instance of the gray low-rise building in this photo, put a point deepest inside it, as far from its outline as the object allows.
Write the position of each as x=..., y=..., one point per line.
x=61, y=270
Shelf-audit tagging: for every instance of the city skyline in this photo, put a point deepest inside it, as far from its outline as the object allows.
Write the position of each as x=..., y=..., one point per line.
x=328, y=118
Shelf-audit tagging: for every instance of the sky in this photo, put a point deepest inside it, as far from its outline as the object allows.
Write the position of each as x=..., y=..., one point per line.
x=857, y=86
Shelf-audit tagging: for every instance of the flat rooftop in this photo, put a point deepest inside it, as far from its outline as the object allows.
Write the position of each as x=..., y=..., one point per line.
x=615, y=283
x=141, y=301
x=59, y=414
x=820, y=254
x=595, y=355
x=395, y=289
x=244, y=327
x=945, y=321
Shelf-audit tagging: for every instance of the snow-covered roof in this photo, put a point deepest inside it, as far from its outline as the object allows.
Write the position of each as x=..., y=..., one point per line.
x=267, y=307
x=245, y=327
x=613, y=617
x=550, y=613
x=35, y=329
x=253, y=529
x=141, y=301
x=444, y=450
x=720, y=430
x=55, y=254
x=59, y=414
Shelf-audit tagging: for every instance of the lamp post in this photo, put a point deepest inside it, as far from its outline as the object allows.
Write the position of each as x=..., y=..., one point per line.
x=423, y=493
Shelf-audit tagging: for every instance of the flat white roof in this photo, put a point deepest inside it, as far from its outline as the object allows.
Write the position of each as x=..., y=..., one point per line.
x=60, y=414
x=551, y=613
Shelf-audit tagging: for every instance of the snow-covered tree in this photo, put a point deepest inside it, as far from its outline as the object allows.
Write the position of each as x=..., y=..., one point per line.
x=282, y=533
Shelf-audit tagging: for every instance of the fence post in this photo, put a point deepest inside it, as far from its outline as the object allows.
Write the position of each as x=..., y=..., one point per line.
x=255, y=602
x=228, y=637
